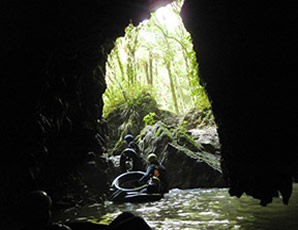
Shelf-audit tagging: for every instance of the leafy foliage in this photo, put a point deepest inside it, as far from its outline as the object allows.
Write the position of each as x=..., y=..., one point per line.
x=157, y=56
x=149, y=119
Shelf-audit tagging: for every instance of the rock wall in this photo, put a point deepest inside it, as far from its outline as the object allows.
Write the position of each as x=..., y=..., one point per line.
x=52, y=66
x=53, y=56
x=247, y=54
x=191, y=160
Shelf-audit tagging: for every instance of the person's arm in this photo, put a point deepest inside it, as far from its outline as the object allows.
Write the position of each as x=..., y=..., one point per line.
x=147, y=174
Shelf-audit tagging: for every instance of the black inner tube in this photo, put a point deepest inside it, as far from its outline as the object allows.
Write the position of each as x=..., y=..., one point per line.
x=127, y=181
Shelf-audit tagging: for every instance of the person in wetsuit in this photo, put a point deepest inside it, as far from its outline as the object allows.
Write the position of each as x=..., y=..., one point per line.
x=155, y=176
x=36, y=215
x=131, y=144
x=36, y=212
x=131, y=154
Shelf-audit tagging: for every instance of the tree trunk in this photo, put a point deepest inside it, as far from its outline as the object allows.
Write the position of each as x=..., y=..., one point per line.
x=120, y=64
x=172, y=87
x=150, y=69
x=147, y=73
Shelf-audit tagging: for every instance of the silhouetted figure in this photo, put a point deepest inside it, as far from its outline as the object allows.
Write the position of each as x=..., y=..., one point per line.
x=130, y=159
x=36, y=215
x=131, y=144
x=36, y=212
x=127, y=220
x=155, y=176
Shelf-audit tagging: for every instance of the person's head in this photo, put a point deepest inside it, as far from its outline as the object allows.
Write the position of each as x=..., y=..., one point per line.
x=152, y=158
x=128, y=138
x=37, y=208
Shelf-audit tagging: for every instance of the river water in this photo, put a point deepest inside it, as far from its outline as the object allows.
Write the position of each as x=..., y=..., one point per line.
x=198, y=209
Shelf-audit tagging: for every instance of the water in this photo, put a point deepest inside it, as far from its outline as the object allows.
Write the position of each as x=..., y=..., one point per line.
x=199, y=209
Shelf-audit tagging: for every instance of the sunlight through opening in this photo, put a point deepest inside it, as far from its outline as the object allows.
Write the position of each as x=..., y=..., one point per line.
x=156, y=58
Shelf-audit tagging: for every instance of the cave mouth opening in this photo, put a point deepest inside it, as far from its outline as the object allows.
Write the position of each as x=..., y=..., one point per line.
x=156, y=57
x=154, y=68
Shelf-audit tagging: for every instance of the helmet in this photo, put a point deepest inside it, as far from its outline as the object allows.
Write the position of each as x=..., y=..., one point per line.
x=128, y=137
x=152, y=158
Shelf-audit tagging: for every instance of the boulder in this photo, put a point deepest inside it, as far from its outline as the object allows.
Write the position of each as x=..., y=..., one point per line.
x=187, y=169
x=154, y=139
x=207, y=138
x=183, y=157
x=199, y=118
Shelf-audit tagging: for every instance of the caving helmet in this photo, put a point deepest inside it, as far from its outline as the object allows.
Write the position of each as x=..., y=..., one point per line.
x=128, y=138
x=152, y=158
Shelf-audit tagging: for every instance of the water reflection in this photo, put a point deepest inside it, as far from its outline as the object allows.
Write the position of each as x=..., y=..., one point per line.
x=201, y=209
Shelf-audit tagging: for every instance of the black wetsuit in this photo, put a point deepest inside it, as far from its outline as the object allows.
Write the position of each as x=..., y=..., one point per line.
x=159, y=171
x=134, y=146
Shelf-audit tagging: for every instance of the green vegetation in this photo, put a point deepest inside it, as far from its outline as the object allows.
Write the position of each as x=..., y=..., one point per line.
x=149, y=119
x=164, y=129
x=130, y=116
x=184, y=141
x=152, y=76
x=179, y=135
x=155, y=58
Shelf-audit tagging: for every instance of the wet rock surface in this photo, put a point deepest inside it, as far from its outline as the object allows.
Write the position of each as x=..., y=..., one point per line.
x=207, y=138
x=188, y=162
x=187, y=169
x=191, y=157
x=234, y=45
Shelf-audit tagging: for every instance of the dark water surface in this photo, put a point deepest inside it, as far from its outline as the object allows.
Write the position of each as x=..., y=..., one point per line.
x=198, y=209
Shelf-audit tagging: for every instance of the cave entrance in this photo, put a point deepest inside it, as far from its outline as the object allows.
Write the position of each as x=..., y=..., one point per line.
x=153, y=68
x=157, y=56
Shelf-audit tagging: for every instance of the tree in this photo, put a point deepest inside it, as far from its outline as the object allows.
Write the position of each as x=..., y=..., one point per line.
x=157, y=55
